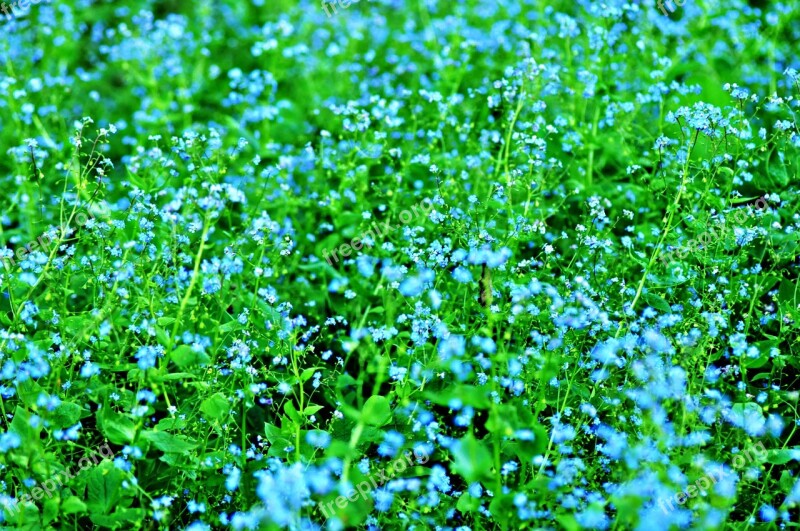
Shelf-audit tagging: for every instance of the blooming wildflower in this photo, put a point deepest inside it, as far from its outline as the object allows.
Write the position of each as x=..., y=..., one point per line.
x=318, y=439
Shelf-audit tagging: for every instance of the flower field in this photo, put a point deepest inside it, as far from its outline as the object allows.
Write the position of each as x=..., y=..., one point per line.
x=399, y=264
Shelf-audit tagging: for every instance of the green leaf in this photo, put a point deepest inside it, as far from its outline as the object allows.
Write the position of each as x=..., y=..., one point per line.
x=467, y=395
x=76, y=324
x=66, y=414
x=162, y=336
x=168, y=443
x=175, y=376
x=727, y=172
x=779, y=457
x=763, y=348
x=104, y=488
x=29, y=392
x=171, y=424
x=129, y=518
x=657, y=302
x=568, y=522
x=73, y=505
x=292, y=413
x=787, y=481
x=50, y=512
x=788, y=292
x=310, y=410
x=216, y=407
x=21, y=426
x=184, y=357
x=502, y=509
x=308, y=373
x=115, y=427
x=231, y=326
x=466, y=503
x=471, y=458
x=272, y=432
x=377, y=411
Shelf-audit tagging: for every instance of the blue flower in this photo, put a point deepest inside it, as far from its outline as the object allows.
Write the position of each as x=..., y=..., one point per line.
x=146, y=356
x=656, y=341
x=412, y=287
x=9, y=441
x=438, y=479
x=284, y=491
x=232, y=481
x=794, y=494
x=462, y=274
x=70, y=434
x=767, y=513
x=592, y=518
x=452, y=345
x=318, y=439
x=476, y=490
x=383, y=499
x=392, y=443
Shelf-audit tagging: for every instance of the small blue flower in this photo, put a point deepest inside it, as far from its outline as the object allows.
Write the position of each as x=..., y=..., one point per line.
x=476, y=490
x=462, y=274
x=453, y=345
x=146, y=356
x=383, y=499
x=767, y=513
x=318, y=439
x=9, y=441
x=232, y=481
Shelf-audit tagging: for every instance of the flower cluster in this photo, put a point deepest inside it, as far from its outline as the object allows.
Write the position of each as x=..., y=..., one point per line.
x=298, y=246
x=710, y=236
